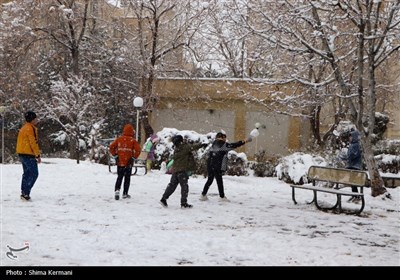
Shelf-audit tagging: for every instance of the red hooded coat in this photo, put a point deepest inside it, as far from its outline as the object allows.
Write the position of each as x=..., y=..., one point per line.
x=125, y=146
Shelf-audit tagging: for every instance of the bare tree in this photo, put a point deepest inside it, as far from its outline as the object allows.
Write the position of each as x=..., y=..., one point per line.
x=164, y=29
x=351, y=39
x=45, y=41
x=223, y=43
x=66, y=26
x=17, y=81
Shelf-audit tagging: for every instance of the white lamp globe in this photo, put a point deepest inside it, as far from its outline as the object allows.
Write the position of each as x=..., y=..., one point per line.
x=138, y=102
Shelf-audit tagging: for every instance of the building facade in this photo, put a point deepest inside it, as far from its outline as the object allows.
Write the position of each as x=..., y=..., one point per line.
x=212, y=105
x=235, y=106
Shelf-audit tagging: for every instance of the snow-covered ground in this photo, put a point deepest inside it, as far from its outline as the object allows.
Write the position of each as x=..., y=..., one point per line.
x=74, y=220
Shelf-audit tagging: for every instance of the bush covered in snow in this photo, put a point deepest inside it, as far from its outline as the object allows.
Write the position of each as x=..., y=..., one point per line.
x=388, y=163
x=293, y=169
x=236, y=162
x=387, y=156
x=264, y=166
x=390, y=147
x=164, y=149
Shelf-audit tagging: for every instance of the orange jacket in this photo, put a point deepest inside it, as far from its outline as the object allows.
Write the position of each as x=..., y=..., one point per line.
x=27, y=141
x=125, y=146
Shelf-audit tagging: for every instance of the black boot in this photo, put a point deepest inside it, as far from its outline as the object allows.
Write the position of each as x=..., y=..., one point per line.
x=186, y=205
x=25, y=197
x=163, y=202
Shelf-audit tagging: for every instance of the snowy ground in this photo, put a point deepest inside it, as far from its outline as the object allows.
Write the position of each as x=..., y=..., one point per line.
x=74, y=220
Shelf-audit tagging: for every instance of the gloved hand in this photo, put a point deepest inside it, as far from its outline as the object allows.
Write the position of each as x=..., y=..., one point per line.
x=116, y=158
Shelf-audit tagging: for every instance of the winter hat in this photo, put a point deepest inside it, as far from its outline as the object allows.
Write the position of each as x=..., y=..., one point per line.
x=220, y=135
x=177, y=139
x=30, y=116
x=154, y=138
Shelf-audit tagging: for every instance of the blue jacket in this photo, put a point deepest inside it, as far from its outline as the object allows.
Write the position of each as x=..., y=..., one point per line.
x=354, y=154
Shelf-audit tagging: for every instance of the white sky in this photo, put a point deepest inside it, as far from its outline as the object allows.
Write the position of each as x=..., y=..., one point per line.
x=74, y=220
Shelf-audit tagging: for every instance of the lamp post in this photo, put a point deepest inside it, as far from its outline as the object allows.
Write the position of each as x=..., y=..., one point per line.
x=257, y=126
x=2, y=113
x=137, y=103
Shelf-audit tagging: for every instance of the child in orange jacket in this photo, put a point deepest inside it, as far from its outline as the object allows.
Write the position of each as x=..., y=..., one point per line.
x=126, y=148
x=29, y=153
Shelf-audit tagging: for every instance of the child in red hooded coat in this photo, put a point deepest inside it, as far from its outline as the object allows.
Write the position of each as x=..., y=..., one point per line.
x=126, y=148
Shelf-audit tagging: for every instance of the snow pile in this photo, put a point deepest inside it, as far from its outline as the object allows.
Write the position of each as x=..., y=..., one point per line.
x=294, y=168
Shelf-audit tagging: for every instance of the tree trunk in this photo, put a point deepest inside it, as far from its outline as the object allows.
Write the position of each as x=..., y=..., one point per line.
x=150, y=102
x=377, y=187
x=314, y=122
x=75, y=61
x=148, y=130
x=72, y=147
x=78, y=150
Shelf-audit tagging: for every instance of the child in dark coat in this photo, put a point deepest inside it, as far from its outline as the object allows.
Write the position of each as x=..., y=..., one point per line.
x=354, y=158
x=217, y=163
x=184, y=163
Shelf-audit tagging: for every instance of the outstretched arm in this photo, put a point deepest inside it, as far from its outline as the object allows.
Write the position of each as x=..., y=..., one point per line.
x=195, y=147
x=235, y=145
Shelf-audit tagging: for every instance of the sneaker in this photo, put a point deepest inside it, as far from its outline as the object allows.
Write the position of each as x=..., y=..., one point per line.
x=203, y=197
x=125, y=195
x=25, y=197
x=186, y=205
x=116, y=195
x=224, y=199
x=350, y=199
x=164, y=203
x=356, y=199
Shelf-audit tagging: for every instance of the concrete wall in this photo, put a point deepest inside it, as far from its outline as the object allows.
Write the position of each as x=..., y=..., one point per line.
x=393, y=131
x=233, y=105
x=274, y=135
x=211, y=105
x=201, y=121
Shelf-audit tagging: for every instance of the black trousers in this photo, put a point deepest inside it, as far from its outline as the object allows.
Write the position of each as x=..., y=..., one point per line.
x=124, y=172
x=181, y=178
x=353, y=189
x=217, y=174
